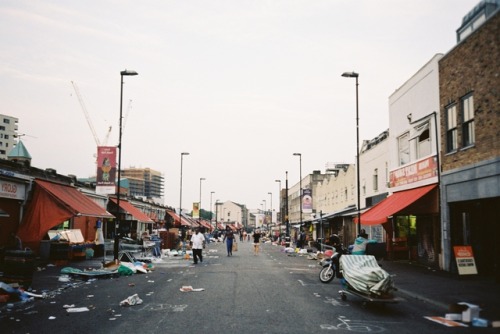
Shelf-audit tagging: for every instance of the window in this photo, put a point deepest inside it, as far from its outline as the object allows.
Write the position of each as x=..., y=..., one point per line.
x=468, y=134
x=404, y=149
x=375, y=179
x=6, y=121
x=451, y=129
x=424, y=144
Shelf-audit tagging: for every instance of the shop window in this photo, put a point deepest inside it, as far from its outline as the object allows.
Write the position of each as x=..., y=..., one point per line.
x=375, y=179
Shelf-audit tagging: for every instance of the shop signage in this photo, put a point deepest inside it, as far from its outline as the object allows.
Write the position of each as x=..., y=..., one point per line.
x=12, y=190
x=421, y=170
x=465, y=260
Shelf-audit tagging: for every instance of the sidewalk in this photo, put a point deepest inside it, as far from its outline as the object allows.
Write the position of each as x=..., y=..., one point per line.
x=442, y=289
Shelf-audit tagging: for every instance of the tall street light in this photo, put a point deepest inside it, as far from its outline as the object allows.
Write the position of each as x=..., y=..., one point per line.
x=279, y=205
x=271, y=210
x=117, y=224
x=211, y=212
x=356, y=75
x=199, y=214
x=300, y=185
x=287, y=221
x=183, y=233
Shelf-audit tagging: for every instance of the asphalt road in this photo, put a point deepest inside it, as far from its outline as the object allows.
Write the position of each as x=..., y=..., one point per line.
x=269, y=293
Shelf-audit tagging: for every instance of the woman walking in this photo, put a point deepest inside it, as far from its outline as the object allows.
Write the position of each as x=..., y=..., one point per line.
x=256, y=241
x=229, y=238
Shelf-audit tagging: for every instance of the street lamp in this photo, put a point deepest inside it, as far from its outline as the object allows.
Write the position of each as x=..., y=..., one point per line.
x=211, y=208
x=279, y=205
x=300, y=184
x=356, y=75
x=199, y=204
x=271, y=211
x=180, y=208
x=117, y=224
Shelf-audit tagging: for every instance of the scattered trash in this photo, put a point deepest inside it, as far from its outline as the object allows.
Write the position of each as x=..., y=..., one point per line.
x=52, y=318
x=68, y=306
x=131, y=284
x=64, y=278
x=131, y=300
x=77, y=309
x=189, y=288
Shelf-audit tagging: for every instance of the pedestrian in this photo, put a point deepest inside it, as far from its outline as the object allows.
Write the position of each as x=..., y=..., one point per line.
x=197, y=240
x=359, y=247
x=229, y=238
x=256, y=241
x=241, y=235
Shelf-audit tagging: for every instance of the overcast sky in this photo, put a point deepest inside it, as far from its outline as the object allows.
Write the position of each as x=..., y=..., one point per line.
x=239, y=84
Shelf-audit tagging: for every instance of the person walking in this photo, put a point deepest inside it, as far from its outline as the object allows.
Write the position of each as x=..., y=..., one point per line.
x=229, y=238
x=256, y=241
x=197, y=240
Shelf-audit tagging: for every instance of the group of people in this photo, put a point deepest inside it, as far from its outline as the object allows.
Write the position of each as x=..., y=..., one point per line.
x=229, y=239
x=197, y=242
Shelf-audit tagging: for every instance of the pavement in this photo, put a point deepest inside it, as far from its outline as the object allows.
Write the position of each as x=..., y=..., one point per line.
x=414, y=282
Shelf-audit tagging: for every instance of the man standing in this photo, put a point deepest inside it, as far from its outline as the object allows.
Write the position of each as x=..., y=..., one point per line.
x=197, y=240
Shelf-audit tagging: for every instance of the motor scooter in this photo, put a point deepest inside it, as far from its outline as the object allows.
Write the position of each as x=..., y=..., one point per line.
x=330, y=264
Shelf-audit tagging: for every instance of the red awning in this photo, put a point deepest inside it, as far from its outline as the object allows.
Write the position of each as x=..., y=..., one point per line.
x=52, y=204
x=177, y=221
x=393, y=204
x=136, y=213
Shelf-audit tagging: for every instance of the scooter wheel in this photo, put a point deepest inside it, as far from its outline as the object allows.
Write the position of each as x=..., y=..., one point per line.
x=326, y=275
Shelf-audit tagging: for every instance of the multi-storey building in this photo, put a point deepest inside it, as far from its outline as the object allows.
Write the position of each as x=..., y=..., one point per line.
x=144, y=182
x=8, y=134
x=470, y=137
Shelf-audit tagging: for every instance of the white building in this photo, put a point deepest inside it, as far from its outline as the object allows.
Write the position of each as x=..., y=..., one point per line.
x=8, y=134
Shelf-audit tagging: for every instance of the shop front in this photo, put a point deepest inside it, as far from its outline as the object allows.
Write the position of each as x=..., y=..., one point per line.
x=411, y=221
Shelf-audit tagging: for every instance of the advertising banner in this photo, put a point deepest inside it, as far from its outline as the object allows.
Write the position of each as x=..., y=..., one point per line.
x=307, y=201
x=196, y=210
x=106, y=170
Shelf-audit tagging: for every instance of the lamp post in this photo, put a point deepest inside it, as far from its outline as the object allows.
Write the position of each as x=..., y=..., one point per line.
x=279, y=205
x=300, y=185
x=271, y=212
x=183, y=232
x=216, y=213
x=199, y=214
x=287, y=221
x=358, y=181
x=117, y=223
x=211, y=208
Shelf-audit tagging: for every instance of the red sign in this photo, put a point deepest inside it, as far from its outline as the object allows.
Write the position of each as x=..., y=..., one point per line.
x=465, y=260
x=421, y=170
x=106, y=170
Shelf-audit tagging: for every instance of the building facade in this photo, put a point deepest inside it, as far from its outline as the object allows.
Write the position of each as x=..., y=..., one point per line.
x=145, y=182
x=8, y=134
x=470, y=137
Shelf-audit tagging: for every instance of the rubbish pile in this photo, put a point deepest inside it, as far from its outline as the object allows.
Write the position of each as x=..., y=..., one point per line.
x=462, y=315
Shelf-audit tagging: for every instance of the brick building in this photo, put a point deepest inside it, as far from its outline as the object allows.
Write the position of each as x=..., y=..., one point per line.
x=470, y=140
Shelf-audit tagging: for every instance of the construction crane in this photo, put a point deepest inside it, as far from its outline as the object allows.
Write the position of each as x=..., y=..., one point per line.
x=105, y=142
x=84, y=108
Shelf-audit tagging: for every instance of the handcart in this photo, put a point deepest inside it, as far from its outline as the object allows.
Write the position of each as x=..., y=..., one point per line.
x=364, y=278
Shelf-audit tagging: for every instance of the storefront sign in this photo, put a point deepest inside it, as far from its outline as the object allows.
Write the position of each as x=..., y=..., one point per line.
x=418, y=171
x=12, y=190
x=465, y=260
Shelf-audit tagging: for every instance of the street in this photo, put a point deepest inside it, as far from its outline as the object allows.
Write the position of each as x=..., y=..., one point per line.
x=269, y=293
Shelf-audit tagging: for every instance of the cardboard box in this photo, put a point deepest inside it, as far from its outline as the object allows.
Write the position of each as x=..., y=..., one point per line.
x=453, y=316
x=472, y=311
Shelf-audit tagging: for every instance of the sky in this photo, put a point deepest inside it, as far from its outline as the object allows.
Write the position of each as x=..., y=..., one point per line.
x=240, y=85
